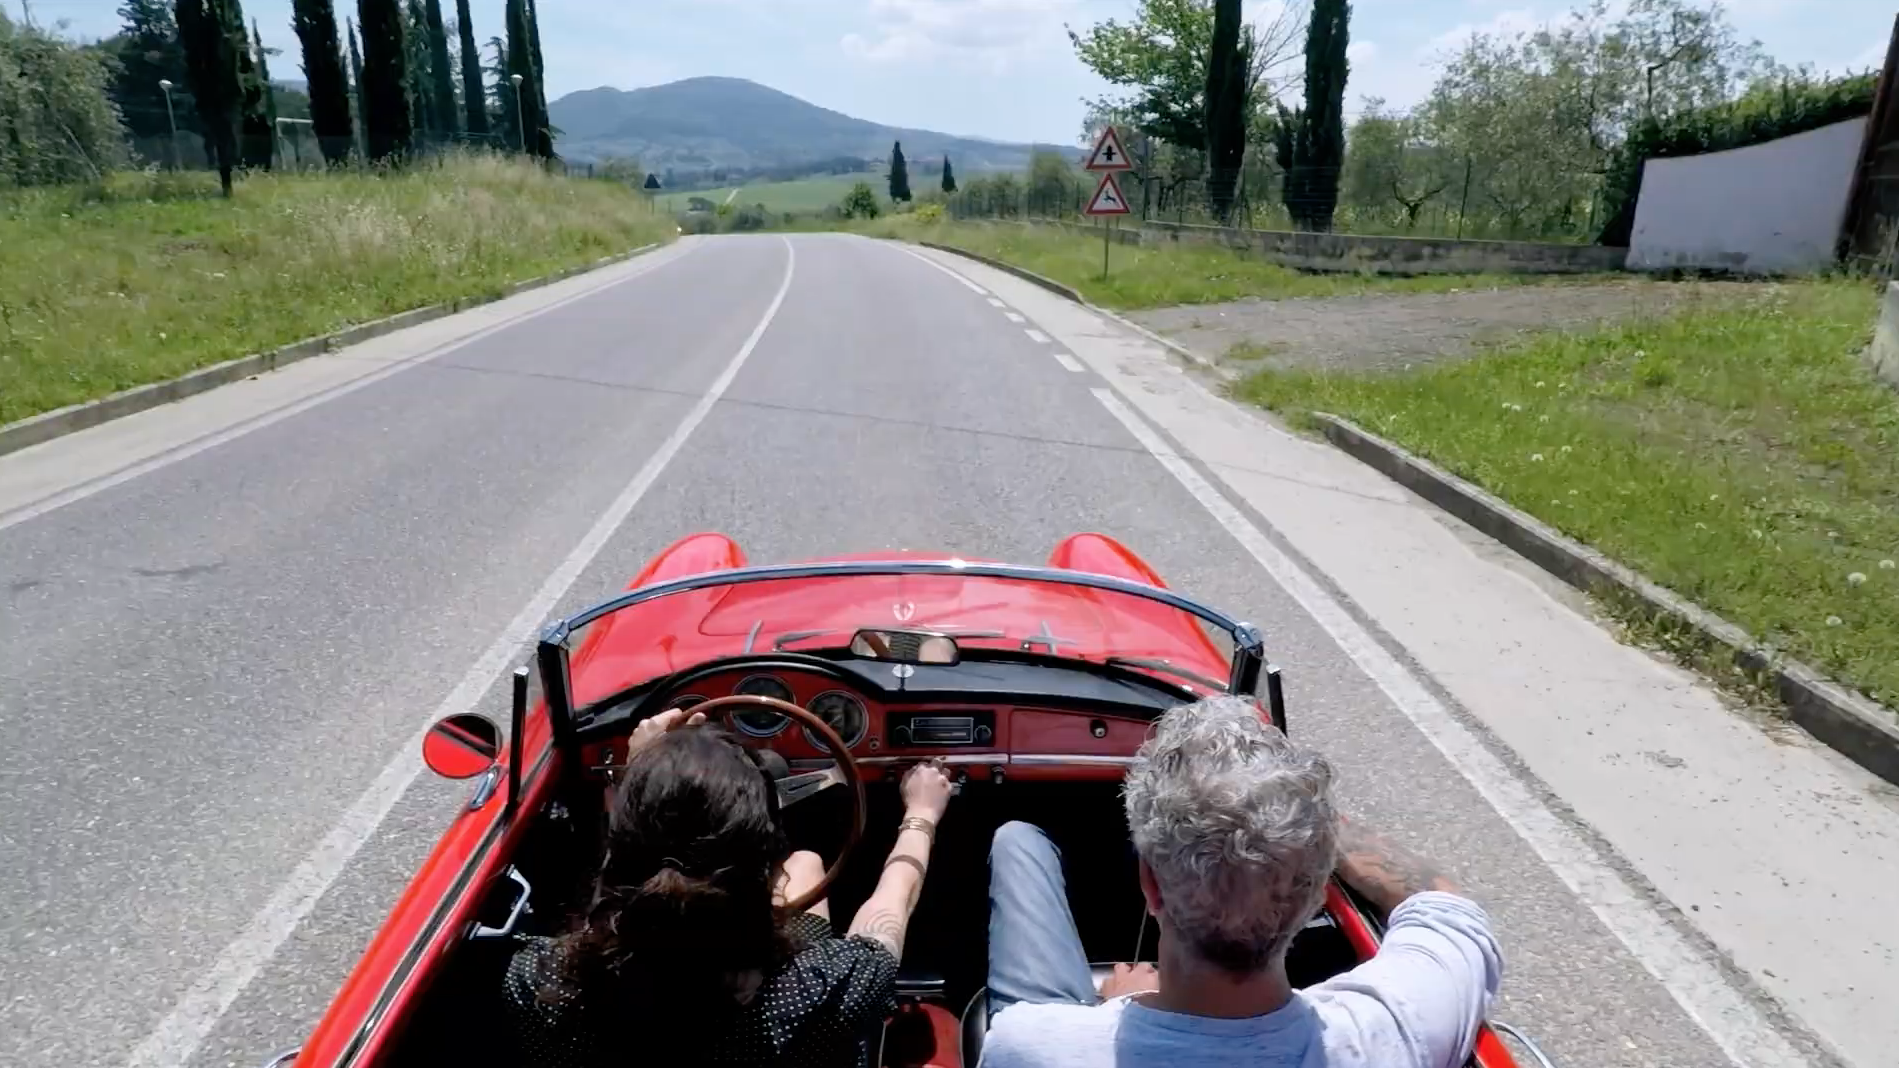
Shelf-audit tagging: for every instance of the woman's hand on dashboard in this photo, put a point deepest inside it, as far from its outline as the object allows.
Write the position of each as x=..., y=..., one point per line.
x=926, y=791
x=650, y=728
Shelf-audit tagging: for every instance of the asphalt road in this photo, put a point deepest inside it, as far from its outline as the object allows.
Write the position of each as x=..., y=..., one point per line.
x=206, y=665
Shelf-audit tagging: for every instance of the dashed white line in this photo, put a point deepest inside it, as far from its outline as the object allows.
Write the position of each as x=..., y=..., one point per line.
x=184, y=1028
x=1037, y=336
x=1014, y=317
x=994, y=303
x=959, y=278
x=1069, y=362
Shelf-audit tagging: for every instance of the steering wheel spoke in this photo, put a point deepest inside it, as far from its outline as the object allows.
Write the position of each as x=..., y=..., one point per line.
x=805, y=785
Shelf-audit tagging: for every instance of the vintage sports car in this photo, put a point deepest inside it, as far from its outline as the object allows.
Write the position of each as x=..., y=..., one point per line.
x=1035, y=684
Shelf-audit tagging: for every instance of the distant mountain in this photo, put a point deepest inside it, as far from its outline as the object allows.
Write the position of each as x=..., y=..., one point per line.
x=730, y=123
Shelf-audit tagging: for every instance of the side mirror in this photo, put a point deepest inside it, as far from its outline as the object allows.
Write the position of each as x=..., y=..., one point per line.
x=462, y=746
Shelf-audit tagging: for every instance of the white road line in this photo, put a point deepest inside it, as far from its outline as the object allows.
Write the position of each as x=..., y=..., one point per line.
x=1691, y=976
x=959, y=278
x=994, y=303
x=184, y=1028
x=1037, y=336
x=1014, y=317
x=1069, y=362
x=210, y=441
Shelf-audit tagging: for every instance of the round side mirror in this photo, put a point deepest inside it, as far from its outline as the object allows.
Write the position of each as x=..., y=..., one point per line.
x=462, y=746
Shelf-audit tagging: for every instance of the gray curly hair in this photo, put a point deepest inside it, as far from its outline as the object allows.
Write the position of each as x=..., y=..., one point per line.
x=1237, y=824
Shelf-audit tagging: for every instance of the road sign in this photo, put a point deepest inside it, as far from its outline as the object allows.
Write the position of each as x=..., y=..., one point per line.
x=1108, y=154
x=1107, y=199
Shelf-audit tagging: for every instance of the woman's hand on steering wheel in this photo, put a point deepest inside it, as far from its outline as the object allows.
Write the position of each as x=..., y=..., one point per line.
x=649, y=729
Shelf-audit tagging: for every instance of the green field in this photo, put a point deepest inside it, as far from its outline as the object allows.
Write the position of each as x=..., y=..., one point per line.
x=805, y=194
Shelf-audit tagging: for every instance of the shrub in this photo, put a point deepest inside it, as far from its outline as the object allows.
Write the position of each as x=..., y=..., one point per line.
x=929, y=213
x=860, y=202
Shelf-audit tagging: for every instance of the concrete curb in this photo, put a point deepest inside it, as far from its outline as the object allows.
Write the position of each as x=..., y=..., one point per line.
x=59, y=422
x=1860, y=729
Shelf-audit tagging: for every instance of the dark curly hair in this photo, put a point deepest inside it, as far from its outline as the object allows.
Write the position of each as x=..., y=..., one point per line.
x=684, y=896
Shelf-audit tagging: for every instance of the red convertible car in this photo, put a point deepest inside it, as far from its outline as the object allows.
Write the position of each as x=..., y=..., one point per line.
x=1035, y=684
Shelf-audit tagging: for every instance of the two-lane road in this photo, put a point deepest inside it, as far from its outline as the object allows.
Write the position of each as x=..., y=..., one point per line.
x=215, y=660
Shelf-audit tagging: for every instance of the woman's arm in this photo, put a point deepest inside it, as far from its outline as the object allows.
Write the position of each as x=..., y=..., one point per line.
x=885, y=915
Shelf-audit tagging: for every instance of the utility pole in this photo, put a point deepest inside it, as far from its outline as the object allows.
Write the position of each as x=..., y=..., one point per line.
x=520, y=119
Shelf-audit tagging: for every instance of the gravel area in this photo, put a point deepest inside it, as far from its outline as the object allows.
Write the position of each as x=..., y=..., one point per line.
x=1373, y=332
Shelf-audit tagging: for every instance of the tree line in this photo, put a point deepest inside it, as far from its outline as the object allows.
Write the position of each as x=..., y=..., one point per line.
x=395, y=81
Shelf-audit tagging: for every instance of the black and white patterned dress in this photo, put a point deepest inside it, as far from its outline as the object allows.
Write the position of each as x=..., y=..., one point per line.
x=821, y=1009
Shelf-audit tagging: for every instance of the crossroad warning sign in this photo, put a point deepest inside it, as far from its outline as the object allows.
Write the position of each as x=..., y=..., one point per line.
x=1107, y=199
x=1108, y=154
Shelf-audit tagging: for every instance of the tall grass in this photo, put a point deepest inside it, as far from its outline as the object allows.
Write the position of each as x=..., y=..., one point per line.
x=147, y=276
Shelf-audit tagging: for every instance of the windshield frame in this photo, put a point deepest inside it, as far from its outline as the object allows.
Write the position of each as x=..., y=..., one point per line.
x=1243, y=677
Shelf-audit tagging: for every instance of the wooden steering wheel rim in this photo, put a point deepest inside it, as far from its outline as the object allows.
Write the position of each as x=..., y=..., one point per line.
x=725, y=707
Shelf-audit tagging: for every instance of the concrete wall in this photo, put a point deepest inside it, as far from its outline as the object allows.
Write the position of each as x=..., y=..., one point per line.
x=1770, y=208
x=1381, y=255
x=1883, y=356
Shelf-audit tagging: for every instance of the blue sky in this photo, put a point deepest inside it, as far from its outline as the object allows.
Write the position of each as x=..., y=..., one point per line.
x=995, y=68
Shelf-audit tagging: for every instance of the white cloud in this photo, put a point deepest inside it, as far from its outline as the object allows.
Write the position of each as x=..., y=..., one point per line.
x=988, y=32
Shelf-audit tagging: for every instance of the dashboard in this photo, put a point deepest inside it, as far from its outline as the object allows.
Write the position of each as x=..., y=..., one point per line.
x=981, y=735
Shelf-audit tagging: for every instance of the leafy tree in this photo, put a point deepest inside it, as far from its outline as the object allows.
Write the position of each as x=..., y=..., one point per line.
x=949, y=177
x=315, y=22
x=1317, y=132
x=1228, y=105
x=356, y=83
x=860, y=202
x=1051, y=185
x=441, y=74
x=899, y=174
x=212, y=32
x=501, y=111
x=259, y=124
x=148, y=51
x=474, y=100
x=1389, y=174
x=388, y=124
x=57, y=121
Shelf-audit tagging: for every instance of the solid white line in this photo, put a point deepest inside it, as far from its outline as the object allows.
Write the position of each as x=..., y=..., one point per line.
x=1014, y=317
x=1690, y=975
x=994, y=303
x=1037, y=336
x=959, y=278
x=182, y=1030
x=277, y=415
x=1069, y=362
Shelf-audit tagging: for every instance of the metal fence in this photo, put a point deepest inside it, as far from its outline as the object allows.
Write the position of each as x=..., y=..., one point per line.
x=171, y=141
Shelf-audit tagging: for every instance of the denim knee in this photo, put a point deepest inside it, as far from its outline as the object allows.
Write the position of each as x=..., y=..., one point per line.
x=1017, y=840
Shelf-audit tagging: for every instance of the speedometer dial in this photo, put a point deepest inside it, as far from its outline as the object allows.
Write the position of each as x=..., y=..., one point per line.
x=841, y=712
x=762, y=723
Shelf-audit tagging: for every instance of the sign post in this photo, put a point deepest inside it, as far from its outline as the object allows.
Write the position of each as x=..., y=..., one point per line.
x=1107, y=159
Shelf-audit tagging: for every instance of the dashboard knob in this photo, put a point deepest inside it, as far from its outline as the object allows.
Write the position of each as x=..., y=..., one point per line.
x=1098, y=728
x=901, y=735
x=984, y=735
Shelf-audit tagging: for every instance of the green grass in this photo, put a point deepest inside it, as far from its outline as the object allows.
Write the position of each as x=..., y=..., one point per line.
x=1164, y=275
x=151, y=276
x=1740, y=455
x=805, y=194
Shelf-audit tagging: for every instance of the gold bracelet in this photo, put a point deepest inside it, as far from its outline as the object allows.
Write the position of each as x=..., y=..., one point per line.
x=918, y=823
x=905, y=858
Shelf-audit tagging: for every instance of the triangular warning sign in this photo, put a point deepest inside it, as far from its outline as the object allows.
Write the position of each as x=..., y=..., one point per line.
x=1108, y=154
x=1107, y=199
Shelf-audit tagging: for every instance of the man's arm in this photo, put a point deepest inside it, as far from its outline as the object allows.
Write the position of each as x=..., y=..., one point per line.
x=1383, y=872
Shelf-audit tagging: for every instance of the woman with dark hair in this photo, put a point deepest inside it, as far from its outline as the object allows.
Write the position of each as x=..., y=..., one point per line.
x=686, y=955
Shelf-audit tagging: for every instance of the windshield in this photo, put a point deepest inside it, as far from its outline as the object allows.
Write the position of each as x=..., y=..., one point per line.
x=1060, y=614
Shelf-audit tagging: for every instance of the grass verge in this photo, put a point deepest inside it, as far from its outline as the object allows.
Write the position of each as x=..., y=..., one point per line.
x=1740, y=455
x=151, y=276
x=1164, y=275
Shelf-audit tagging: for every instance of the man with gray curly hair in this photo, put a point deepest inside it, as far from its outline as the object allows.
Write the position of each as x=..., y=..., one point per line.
x=1237, y=837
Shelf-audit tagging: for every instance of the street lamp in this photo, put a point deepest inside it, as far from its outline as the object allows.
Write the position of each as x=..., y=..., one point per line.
x=171, y=120
x=520, y=121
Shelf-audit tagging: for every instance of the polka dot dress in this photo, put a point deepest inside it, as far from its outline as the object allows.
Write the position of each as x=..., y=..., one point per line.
x=817, y=1011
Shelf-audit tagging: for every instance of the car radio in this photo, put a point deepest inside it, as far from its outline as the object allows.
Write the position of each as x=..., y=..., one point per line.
x=974, y=727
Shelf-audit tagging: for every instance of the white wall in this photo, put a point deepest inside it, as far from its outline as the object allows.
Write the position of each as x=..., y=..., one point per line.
x=1770, y=207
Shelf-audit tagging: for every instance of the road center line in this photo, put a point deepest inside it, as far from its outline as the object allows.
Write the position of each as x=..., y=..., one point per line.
x=1690, y=975
x=184, y=1028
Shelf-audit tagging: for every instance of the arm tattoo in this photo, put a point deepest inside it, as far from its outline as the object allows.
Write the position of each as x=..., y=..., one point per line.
x=883, y=925
x=1384, y=872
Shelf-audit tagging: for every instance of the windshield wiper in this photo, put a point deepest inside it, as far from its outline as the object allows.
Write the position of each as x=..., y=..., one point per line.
x=1166, y=668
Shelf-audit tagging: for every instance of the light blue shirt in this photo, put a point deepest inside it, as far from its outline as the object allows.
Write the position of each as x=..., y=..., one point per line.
x=1417, y=1004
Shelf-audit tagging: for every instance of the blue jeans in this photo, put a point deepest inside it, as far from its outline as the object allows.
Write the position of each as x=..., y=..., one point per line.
x=1035, y=952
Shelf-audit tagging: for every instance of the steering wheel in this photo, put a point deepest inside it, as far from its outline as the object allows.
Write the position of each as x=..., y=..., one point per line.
x=804, y=785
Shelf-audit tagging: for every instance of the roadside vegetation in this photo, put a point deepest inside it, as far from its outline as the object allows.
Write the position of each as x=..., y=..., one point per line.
x=1740, y=455
x=150, y=275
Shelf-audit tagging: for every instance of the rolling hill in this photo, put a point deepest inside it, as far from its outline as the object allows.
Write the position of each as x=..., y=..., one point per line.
x=705, y=123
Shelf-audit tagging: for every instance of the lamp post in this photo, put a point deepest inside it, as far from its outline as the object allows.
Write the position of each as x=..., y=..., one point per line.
x=520, y=121
x=171, y=120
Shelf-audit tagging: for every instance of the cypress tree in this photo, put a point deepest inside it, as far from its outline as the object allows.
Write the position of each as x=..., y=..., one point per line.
x=260, y=102
x=521, y=101
x=211, y=60
x=149, y=51
x=441, y=77
x=474, y=99
x=415, y=38
x=540, y=124
x=899, y=174
x=356, y=83
x=315, y=21
x=1318, y=143
x=949, y=177
x=1227, y=107
x=388, y=126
